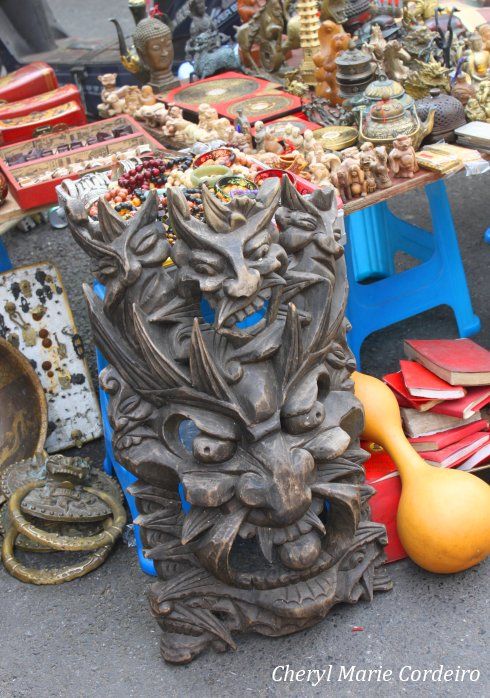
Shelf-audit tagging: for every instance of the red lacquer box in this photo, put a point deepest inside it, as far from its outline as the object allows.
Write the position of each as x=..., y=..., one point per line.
x=21, y=128
x=85, y=147
x=30, y=80
x=381, y=473
x=46, y=100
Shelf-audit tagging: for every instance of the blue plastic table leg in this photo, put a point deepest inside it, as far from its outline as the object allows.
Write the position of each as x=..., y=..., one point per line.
x=373, y=239
x=486, y=236
x=5, y=262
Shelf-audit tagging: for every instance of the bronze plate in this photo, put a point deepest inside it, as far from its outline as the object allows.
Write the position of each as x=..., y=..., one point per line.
x=23, y=410
x=216, y=91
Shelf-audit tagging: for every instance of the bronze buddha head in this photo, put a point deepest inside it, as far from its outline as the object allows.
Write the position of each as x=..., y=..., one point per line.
x=153, y=42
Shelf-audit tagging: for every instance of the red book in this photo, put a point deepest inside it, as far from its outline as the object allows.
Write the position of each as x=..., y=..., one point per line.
x=396, y=383
x=474, y=400
x=436, y=442
x=457, y=361
x=457, y=453
x=422, y=383
x=481, y=456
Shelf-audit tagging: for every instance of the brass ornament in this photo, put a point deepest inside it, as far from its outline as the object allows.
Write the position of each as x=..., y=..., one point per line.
x=23, y=410
x=61, y=511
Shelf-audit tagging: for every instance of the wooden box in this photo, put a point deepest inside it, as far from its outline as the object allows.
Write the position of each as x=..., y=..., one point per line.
x=21, y=128
x=46, y=100
x=43, y=193
x=30, y=80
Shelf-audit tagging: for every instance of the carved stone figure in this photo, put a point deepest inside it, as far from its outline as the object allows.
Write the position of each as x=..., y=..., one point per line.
x=367, y=165
x=333, y=40
x=112, y=96
x=395, y=61
x=403, y=162
x=229, y=373
x=153, y=42
x=380, y=169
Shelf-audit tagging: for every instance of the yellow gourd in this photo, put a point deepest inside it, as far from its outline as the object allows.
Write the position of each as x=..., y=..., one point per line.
x=443, y=517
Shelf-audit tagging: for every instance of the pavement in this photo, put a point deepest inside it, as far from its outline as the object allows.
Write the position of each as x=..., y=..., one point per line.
x=94, y=637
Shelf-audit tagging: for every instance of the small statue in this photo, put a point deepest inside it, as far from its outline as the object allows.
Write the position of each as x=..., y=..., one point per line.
x=241, y=122
x=484, y=31
x=394, y=61
x=474, y=111
x=421, y=43
x=478, y=61
x=319, y=174
x=205, y=47
x=153, y=42
x=296, y=138
x=259, y=135
x=112, y=97
x=403, y=162
x=333, y=40
x=182, y=133
x=132, y=100
x=367, y=165
x=377, y=43
x=147, y=96
x=380, y=169
x=425, y=76
x=271, y=143
x=210, y=121
x=462, y=88
x=350, y=179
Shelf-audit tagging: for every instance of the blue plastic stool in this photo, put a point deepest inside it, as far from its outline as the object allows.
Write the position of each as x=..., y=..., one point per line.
x=5, y=262
x=113, y=467
x=374, y=236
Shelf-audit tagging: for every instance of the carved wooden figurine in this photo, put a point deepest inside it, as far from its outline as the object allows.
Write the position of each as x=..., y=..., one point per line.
x=381, y=172
x=251, y=408
x=333, y=40
x=403, y=162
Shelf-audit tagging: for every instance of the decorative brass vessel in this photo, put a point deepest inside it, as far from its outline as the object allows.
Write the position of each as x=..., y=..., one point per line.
x=385, y=88
x=23, y=409
x=448, y=114
x=388, y=119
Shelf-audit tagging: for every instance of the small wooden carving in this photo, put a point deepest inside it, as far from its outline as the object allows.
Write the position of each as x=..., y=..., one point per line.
x=402, y=158
x=333, y=40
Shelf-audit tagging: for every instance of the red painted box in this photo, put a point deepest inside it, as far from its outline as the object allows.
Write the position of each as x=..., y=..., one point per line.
x=381, y=473
x=21, y=128
x=85, y=147
x=41, y=102
x=30, y=80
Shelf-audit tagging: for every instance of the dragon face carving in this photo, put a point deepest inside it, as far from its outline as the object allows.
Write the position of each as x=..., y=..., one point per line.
x=229, y=378
x=233, y=260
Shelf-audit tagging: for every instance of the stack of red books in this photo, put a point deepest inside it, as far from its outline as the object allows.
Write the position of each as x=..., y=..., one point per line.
x=442, y=388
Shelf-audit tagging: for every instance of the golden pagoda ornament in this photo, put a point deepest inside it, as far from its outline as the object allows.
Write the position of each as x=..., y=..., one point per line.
x=309, y=25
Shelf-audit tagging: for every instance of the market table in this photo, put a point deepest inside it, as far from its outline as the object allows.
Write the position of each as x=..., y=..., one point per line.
x=378, y=295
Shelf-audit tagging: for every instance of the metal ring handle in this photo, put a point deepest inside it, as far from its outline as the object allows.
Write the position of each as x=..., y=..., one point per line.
x=113, y=525
x=63, y=574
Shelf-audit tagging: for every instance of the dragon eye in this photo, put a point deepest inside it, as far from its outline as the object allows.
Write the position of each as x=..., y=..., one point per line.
x=212, y=450
x=260, y=252
x=303, y=422
x=146, y=244
x=205, y=269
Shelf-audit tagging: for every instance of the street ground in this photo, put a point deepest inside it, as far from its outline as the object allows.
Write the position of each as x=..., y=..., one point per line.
x=94, y=637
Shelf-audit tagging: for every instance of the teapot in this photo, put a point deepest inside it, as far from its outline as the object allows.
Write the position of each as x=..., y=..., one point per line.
x=388, y=118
